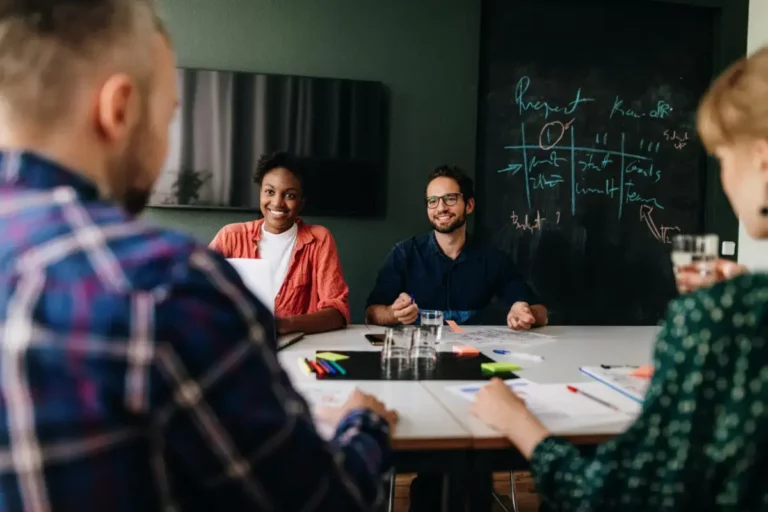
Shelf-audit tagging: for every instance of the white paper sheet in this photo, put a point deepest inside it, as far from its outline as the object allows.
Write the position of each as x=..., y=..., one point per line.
x=501, y=336
x=467, y=391
x=325, y=394
x=557, y=408
x=257, y=276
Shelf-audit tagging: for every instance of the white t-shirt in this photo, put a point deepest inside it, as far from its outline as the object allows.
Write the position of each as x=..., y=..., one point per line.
x=277, y=250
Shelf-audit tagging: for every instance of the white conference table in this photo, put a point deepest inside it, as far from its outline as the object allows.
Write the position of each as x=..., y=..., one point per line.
x=432, y=418
x=424, y=423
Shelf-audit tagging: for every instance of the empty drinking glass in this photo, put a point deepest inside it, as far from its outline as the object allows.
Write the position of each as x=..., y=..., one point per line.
x=398, y=368
x=423, y=368
x=433, y=320
x=424, y=343
x=696, y=253
x=397, y=342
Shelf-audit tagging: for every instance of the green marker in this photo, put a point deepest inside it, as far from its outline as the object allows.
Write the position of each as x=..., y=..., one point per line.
x=338, y=367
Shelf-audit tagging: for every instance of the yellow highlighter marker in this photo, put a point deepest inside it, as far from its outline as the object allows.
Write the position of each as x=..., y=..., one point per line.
x=305, y=366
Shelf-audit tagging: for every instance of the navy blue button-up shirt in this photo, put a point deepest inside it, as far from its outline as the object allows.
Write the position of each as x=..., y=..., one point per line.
x=462, y=288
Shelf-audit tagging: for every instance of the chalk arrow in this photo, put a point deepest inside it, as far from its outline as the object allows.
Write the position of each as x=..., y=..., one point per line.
x=645, y=215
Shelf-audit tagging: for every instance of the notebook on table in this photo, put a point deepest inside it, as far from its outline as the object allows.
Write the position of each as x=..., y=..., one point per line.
x=286, y=340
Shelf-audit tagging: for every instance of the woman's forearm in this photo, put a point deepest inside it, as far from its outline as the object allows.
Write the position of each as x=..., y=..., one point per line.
x=323, y=321
x=526, y=434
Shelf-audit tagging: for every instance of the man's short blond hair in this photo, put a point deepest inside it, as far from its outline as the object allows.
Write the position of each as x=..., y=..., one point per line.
x=48, y=46
x=736, y=105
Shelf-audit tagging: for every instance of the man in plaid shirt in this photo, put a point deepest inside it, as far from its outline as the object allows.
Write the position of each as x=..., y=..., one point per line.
x=136, y=370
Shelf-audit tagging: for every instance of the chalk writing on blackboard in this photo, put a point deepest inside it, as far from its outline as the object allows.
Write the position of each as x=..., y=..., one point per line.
x=662, y=235
x=525, y=224
x=660, y=110
x=554, y=163
x=522, y=87
x=679, y=140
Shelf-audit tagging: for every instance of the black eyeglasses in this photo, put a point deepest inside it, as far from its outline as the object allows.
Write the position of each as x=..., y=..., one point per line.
x=448, y=200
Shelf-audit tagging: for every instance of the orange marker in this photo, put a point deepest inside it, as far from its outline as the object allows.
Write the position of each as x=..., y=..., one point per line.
x=465, y=350
x=645, y=371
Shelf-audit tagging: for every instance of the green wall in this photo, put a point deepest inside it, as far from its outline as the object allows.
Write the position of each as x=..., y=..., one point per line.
x=425, y=51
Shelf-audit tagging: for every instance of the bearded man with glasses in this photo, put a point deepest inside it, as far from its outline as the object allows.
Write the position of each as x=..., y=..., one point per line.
x=445, y=270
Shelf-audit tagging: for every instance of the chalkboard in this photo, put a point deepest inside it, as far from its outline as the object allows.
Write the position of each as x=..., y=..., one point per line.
x=588, y=158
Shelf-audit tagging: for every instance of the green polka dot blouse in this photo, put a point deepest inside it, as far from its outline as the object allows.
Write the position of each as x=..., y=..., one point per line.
x=701, y=441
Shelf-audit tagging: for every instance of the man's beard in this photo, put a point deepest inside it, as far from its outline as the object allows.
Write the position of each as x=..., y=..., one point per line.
x=135, y=201
x=457, y=223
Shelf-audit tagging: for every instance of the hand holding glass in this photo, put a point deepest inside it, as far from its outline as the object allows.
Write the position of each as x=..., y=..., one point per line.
x=693, y=258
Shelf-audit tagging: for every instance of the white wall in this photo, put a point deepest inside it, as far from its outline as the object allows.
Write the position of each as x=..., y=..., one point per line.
x=752, y=253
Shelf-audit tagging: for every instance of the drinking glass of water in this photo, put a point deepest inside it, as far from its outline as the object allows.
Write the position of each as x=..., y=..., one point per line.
x=696, y=253
x=433, y=321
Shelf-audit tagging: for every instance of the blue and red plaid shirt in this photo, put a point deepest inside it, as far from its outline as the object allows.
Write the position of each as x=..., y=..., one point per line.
x=137, y=372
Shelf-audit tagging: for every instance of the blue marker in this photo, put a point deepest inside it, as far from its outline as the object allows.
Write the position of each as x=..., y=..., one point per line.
x=328, y=367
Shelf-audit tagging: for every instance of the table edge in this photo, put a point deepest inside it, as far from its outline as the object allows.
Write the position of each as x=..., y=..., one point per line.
x=426, y=444
x=497, y=443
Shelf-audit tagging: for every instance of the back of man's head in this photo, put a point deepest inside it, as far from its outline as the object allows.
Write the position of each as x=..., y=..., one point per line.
x=90, y=84
x=48, y=46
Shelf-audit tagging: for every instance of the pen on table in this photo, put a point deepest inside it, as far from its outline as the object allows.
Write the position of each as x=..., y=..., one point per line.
x=573, y=389
x=520, y=355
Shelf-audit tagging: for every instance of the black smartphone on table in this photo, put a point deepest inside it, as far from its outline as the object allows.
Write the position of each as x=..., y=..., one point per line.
x=376, y=340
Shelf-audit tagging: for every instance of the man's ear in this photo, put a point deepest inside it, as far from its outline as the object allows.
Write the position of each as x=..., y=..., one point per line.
x=470, y=206
x=117, y=107
x=761, y=154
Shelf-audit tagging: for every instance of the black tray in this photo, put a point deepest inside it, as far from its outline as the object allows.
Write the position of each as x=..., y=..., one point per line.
x=447, y=366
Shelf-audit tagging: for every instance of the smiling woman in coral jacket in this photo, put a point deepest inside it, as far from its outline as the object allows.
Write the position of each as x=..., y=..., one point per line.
x=311, y=294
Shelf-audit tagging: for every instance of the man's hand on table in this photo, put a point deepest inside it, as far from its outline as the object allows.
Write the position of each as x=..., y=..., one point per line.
x=358, y=401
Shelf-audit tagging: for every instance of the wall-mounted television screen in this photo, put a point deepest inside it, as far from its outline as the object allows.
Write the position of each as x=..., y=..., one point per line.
x=337, y=128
